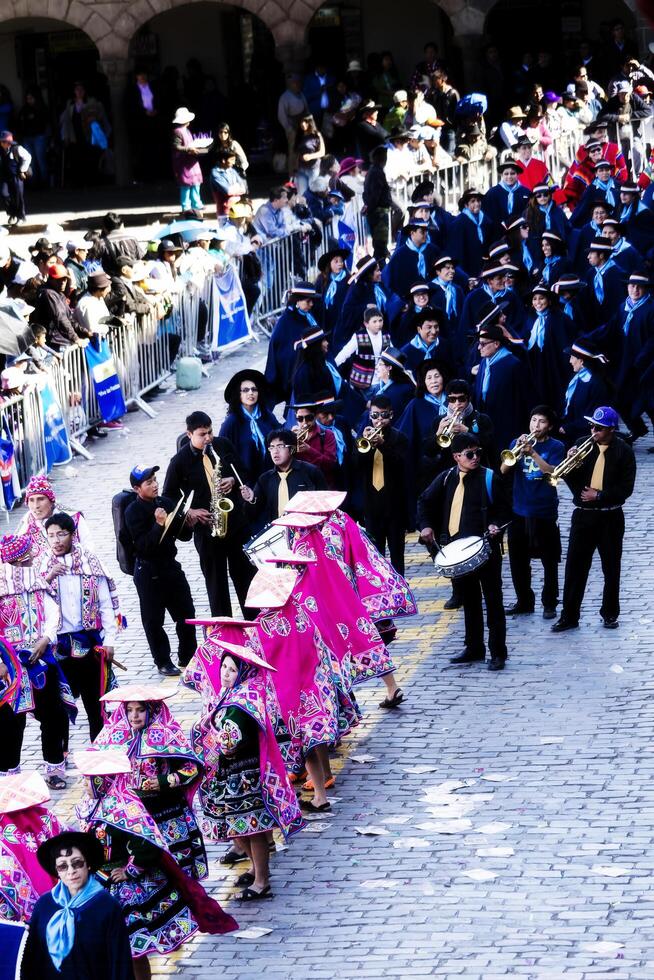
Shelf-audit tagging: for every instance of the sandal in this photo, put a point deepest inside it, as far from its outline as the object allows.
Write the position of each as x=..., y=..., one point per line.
x=247, y=878
x=393, y=702
x=330, y=783
x=233, y=857
x=295, y=777
x=249, y=895
x=310, y=807
x=55, y=782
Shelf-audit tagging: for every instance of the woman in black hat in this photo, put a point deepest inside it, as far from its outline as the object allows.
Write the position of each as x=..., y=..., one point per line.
x=470, y=234
x=248, y=421
x=555, y=258
x=587, y=389
x=332, y=285
x=543, y=214
x=545, y=336
x=395, y=382
x=296, y=318
x=77, y=931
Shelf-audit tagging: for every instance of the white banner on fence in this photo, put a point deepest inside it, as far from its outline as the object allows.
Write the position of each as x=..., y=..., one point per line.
x=230, y=318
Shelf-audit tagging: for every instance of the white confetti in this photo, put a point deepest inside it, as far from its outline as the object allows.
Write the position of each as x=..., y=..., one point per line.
x=396, y=820
x=363, y=759
x=611, y=870
x=457, y=808
x=418, y=770
x=479, y=874
x=644, y=620
x=379, y=883
x=616, y=669
x=494, y=828
x=254, y=932
x=494, y=852
x=497, y=777
x=551, y=739
x=603, y=947
x=418, y=842
x=371, y=831
x=445, y=826
x=316, y=828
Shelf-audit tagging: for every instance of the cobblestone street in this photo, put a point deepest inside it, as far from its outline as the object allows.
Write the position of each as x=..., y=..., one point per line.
x=513, y=814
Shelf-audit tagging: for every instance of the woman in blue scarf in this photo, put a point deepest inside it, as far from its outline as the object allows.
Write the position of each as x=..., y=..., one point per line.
x=555, y=262
x=365, y=289
x=77, y=930
x=248, y=421
x=332, y=285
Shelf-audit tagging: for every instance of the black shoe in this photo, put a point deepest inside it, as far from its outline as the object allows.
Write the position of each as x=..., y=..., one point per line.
x=563, y=625
x=169, y=670
x=549, y=612
x=496, y=664
x=231, y=857
x=468, y=658
x=610, y=622
x=453, y=603
x=519, y=610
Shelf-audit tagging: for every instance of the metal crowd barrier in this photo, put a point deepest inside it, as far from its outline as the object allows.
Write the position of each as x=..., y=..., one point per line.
x=22, y=420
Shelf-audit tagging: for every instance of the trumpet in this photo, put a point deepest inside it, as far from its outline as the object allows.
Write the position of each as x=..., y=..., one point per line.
x=302, y=433
x=511, y=456
x=571, y=463
x=444, y=440
x=364, y=442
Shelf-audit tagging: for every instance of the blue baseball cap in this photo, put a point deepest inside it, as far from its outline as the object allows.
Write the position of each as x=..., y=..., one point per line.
x=604, y=416
x=141, y=473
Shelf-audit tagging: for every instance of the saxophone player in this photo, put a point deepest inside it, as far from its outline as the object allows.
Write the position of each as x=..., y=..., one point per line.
x=192, y=468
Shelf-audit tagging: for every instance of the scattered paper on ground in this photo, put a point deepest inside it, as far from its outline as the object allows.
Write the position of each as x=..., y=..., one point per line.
x=316, y=828
x=457, y=808
x=603, y=947
x=418, y=770
x=551, y=739
x=396, y=820
x=372, y=831
x=379, y=883
x=494, y=828
x=494, y=852
x=254, y=932
x=363, y=758
x=417, y=842
x=446, y=826
x=616, y=669
x=611, y=870
x=479, y=874
x=497, y=777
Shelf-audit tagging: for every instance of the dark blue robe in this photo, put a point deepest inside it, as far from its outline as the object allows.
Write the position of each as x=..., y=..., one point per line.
x=236, y=428
x=402, y=270
x=586, y=398
x=579, y=256
x=550, y=367
x=417, y=422
x=464, y=245
x=442, y=352
x=400, y=395
x=550, y=273
x=439, y=301
x=466, y=337
x=326, y=314
x=591, y=196
x=639, y=226
x=101, y=949
x=281, y=352
x=577, y=313
x=624, y=350
x=403, y=328
x=495, y=205
x=628, y=258
x=508, y=399
x=615, y=292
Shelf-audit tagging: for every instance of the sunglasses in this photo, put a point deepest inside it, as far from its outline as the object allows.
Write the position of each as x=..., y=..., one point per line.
x=457, y=398
x=247, y=391
x=381, y=415
x=471, y=453
x=598, y=428
x=305, y=418
x=75, y=864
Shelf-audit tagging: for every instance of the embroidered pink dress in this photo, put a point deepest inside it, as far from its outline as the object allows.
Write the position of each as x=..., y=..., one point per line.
x=22, y=879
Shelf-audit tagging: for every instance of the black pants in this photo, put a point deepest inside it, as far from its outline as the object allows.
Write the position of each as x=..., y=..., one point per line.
x=12, y=191
x=216, y=555
x=487, y=581
x=51, y=715
x=383, y=531
x=521, y=550
x=164, y=588
x=378, y=223
x=84, y=676
x=592, y=531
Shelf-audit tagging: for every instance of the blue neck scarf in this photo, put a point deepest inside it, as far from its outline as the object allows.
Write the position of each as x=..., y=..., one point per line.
x=596, y=228
x=620, y=246
x=338, y=436
x=494, y=296
x=631, y=210
x=476, y=220
x=255, y=432
x=499, y=355
x=440, y=401
x=419, y=344
x=569, y=309
x=547, y=268
x=336, y=378
x=582, y=376
x=547, y=211
x=598, y=281
x=420, y=251
x=630, y=308
x=537, y=335
x=527, y=260
x=330, y=293
x=380, y=297
x=60, y=930
x=510, y=192
x=607, y=187
x=450, y=297
x=307, y=316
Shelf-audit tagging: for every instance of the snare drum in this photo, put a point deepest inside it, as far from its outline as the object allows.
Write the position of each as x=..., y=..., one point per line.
x=268, y=543
x=462, y=556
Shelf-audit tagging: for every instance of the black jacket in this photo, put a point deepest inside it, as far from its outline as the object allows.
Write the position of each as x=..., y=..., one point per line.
x=376, y=192
x=146, y=533
x=186, y=472
x=619, y=475
x=479, y=508
x=303, y=476
x=392, y=499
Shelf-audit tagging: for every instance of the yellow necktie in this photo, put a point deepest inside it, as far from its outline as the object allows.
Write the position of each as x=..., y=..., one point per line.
x=456, y=508
x=378, y=470
x=282, y=492
x=208, y=470
x=597, y=479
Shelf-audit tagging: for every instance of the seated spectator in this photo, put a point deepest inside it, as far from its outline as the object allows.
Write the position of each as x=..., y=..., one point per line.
x=227, y=184
x=396, y=115
x=512, y=128
x=75, y=263
x=269, y=221
x=54, y=312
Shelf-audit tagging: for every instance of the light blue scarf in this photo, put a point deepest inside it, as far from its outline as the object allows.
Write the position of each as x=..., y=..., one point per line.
x=527, y=260
x=537, y=335
x=420, y=251
x=450, y=297
x=620, y=246
x=582, y=376
x=607, y=187
x=547, y=211
x=336, y=378
x=440, y=401
x=380, y=297
x=569, y=309
x=335, y=278
x=547, y=268
x=511, y=192
x=60, y=930
x=497, y=356
x=419, y=344
x=598, y=281
x=476, y=220
x=307, y=316
x=338, y=436
x=629, y=212
x=630, y=308
x=256, y=433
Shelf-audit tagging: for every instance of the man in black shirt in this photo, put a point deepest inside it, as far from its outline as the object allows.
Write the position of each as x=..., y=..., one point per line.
x=466, y=500
x=600, y=486
x=377, y=203
x=275, y=487
x=191, y=469
x=160, y=582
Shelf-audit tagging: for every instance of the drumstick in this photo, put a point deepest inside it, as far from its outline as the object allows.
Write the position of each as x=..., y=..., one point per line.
x=118, y=664
x=240, y=481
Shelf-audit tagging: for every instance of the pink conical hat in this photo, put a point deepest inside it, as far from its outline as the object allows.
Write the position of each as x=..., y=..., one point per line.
x=271, y=588
x=315, y=501
x=102, y=762
x=300, y=520
x=21, y=791
x=140, y=692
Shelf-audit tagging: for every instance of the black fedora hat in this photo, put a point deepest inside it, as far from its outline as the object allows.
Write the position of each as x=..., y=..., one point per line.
x=246, y=374
x=333, y=253
x=89, y=845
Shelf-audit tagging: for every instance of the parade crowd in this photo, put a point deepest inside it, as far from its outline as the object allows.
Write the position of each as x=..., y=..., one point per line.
x=443, y=383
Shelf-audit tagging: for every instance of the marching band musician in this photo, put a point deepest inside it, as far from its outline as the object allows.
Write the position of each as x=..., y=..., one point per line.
x=192, y=468
x=158, y=577
x=600, y=485
x=534, y=531
x=315, y=444
x=381, y=457
x=289, y=475
x=469, y=499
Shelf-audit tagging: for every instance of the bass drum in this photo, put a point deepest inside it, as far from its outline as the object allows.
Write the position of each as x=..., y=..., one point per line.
x=269, y=543
x=462, y=556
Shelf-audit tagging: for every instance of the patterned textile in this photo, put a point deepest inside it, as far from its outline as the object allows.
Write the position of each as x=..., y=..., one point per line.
x=22, y=879
x=36, y=531
x=26, y=678
x=22, y=612
x=90, y=569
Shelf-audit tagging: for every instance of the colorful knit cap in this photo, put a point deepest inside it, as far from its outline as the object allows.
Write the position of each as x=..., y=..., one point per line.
x=13, y=547
x=40, y=485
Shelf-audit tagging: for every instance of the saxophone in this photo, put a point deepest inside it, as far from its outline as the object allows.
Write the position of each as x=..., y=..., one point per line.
x=220, y=505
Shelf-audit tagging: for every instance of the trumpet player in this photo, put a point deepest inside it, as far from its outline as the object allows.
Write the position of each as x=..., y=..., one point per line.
x=315, y=444
x=534, y=530
x=600, y=485
x=381, y=460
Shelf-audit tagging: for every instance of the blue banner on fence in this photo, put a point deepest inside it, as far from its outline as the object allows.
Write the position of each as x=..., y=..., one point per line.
x=8, y=474
x=105, y=380
x=57, y=446
x=231, y=319
x=346, y=239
